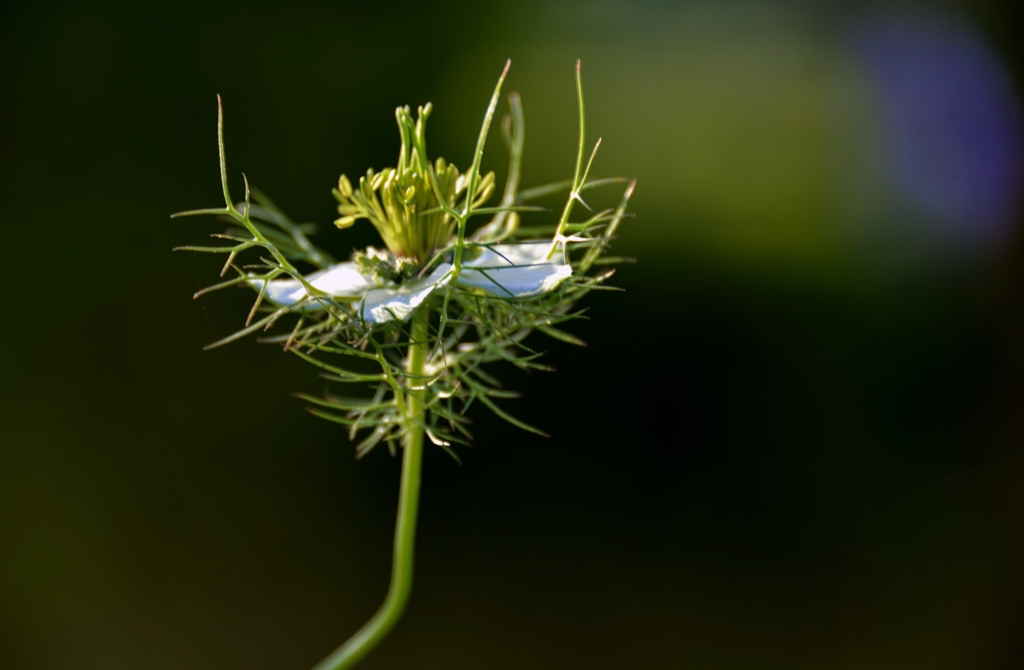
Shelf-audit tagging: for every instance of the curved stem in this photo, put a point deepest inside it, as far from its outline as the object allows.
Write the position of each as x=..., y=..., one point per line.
x=377, y=628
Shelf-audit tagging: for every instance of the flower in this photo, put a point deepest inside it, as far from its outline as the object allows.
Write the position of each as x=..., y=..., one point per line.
x=412, y=208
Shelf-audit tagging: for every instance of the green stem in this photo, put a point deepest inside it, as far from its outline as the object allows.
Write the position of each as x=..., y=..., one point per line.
x=377, y=628
x=576, y=182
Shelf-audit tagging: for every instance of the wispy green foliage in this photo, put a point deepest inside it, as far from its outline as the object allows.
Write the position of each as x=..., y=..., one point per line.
x=422, y=209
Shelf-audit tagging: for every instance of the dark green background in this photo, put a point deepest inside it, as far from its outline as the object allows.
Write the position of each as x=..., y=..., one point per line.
x=782, y=449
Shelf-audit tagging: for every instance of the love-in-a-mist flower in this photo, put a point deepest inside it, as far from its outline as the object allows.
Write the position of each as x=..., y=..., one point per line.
x=424, y=318
x=415, y=207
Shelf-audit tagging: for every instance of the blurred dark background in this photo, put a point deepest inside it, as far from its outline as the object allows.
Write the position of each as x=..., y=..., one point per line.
x=793, y=442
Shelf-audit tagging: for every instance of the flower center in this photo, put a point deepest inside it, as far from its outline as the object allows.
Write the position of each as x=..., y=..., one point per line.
x=404, y=203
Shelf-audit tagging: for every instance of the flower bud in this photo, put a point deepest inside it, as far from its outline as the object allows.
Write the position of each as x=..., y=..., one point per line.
x=345, y=186
x=487, y=181
x=483, y=194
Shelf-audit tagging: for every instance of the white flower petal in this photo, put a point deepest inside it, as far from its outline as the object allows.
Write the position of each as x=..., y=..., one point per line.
x=519, y=282
x=522, y=253
x=389, y=304
x=341, y=280
x=283, y=292
x=516, y=270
